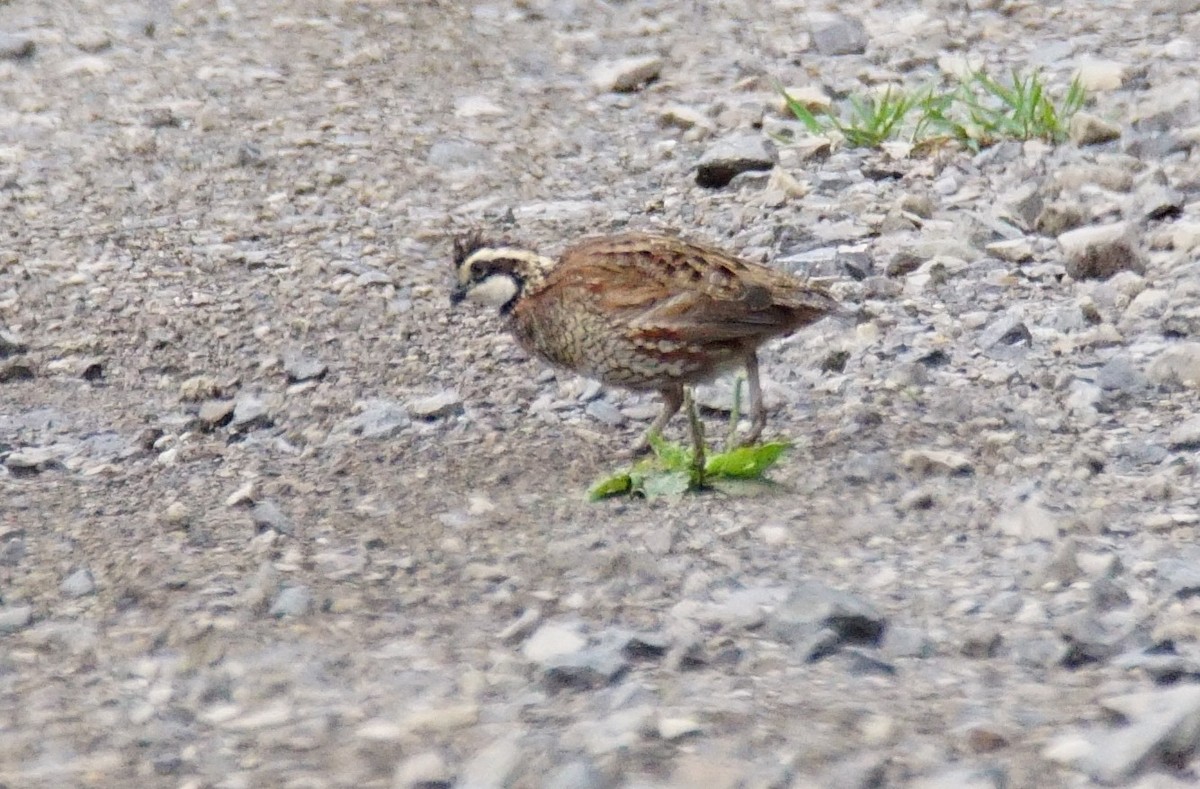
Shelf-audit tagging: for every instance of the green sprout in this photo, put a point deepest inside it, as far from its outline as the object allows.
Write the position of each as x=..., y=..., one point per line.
x=979, y=112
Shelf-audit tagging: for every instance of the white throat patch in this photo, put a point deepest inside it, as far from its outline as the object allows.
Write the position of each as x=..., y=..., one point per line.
x=494, y=291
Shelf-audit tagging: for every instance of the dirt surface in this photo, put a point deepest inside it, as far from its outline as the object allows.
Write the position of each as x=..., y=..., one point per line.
x=271, y=514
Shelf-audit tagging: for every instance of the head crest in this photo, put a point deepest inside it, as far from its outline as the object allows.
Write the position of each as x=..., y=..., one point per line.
x=468, y=244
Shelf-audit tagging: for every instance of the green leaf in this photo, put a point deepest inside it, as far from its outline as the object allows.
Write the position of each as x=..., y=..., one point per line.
x=745, y=462
x=800, y=112
x=611, y=486
x=672, y=457
x=669, y=483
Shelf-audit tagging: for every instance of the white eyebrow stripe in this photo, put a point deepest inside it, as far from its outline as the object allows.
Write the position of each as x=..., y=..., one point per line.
x=500, y=253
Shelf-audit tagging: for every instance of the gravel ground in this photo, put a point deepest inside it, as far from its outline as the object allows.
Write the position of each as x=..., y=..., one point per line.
x=272, y=515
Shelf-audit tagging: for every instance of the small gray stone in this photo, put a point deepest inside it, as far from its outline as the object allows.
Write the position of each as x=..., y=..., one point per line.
x=1027, y=519
x=16, y=47
x=214, y=413
x=627, y=75
x=1179, y=577
x=1014, y=250
x=371, y=277
x=733, y=155
x=588, y=669
x=1120, y=375
x=303, y=368
x=16, y=370
x=1039, y=651
x=15, y=617
x=12, y=549
x=1107, y=595
x=1088, y=129
x=425, y=770
x=1186, y=435
x=377, y=419
x=249, y=412
x=812, y=607
x=494, y=767
x=92, y=39
x=456, y=154
x=932, y=462
x=993, y=777
x=1157, y=202
x=31, y=460
x=553, y=640
x=1007, y=330
x=555, y=211
x=1092, y=637
x=11, y=344
x=1182, y=316
x=1163, y=729
x=436, y=406
x=267, y=515
x=907, y=642
x=1163, y=665
x=605, y=412
x=1156, y=146
x=981, y=643
x=293, y=601
x=1115, y=177
x=1059, y=217
x=78, y=584
x=1179, y=364
x=837, y=34
x=1025, y=203
x=1098, y=252
x=575, y=775
x=476, y=106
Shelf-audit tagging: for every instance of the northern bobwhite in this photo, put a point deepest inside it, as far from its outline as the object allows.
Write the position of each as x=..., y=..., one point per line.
x=641, y=311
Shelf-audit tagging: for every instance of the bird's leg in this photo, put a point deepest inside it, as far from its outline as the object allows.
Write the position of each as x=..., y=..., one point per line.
x=758, y=412
x=672, y=400
x=735, y=415
x=698, y=459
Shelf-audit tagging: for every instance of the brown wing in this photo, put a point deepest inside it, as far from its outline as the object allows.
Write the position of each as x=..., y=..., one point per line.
x=696, y=293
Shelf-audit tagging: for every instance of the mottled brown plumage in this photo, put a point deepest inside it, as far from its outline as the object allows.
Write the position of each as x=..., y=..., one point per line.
x=641, y=311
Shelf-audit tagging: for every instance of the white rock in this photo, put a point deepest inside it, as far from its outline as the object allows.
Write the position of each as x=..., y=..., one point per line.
x=626, y=75
x=441, y=719
x=683, y=117
x=1028, y=520
x=960, y=67
x=1162, y=722
x=675, y=728
x=1016, y=250
x=427, y=768
x=811, y=97
x=553, y=640
x=435, y=406
x=928, y=462
x=1185, y=435
x=837, y=34
x=1178, y=364
x=1088, y=129
x=1098, y=252
x=1185, y=236
x=1097, y=75
x=476, y=107
x=493, y=767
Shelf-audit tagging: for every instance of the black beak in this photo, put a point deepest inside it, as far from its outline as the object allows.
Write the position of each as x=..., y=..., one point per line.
x=457, y=295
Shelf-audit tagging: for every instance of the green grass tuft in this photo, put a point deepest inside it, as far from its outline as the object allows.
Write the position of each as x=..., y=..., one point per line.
x=979, y=112
x=668, y=471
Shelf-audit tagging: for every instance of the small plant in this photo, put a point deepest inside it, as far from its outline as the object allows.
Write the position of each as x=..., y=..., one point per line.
x=872, y=120
x=979, y=112
x=671, y=472
x=1021, y=111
